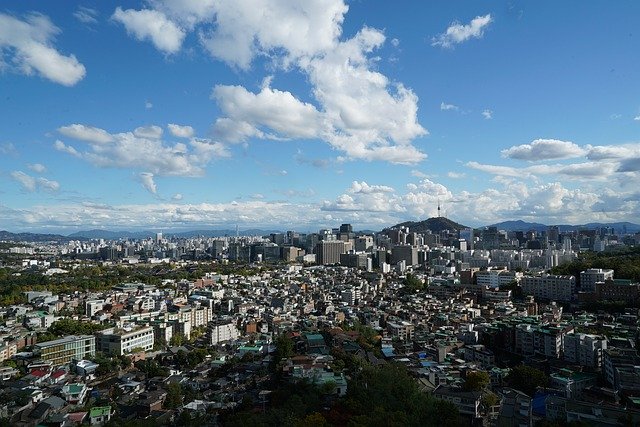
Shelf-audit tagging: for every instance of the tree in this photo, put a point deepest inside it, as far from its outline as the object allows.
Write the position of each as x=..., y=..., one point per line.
x=412, y=284
x=527, y=379
x=177, y=340
x=174, y=396
x=284, y=347
x=476, y=381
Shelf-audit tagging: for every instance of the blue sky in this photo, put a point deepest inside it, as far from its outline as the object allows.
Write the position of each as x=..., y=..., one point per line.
x=281, y=114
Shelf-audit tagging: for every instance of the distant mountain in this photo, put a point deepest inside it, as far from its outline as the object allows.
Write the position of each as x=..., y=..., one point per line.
x=435, y=225
x=33, y=237
x=111, y=235
x=221, y=233
x=520, y=225
x=116, y=235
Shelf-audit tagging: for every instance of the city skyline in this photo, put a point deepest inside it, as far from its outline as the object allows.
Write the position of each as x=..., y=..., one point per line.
x=189, y=115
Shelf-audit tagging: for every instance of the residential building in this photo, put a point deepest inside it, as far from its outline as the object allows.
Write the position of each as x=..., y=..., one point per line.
x=222, y=331
x=584, y=349
x=591, y=276
x=549, y=287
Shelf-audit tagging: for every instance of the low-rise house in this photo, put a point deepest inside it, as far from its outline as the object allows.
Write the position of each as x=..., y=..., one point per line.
x=75, y=394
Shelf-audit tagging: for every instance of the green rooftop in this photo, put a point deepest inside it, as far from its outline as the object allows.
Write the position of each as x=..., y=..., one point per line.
x=100, y=411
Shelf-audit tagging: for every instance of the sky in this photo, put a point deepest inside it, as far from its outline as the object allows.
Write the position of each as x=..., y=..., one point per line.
x=207, y=114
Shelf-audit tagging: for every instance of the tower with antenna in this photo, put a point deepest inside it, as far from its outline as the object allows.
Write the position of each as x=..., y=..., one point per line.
x=438, y=207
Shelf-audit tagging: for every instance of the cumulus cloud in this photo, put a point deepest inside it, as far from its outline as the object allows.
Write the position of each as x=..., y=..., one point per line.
x=180, y=131
x=244, y=29
x=637, y=118
x=458, y=33
x=487, y=114
x=28, y=44
x=357, y=110
x=544, y=149
x=147, y=181
x=152, y=25
x=277, y=110
x=177, y=197
x=151, y=132
x=86, y=133
x=31, y=184
x=376, y=207
x=142, y=150
x=37, y=167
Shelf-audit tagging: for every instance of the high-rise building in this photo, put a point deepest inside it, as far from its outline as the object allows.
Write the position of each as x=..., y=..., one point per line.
x=328, y=252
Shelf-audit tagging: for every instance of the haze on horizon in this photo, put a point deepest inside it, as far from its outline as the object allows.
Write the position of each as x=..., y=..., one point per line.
x=162, y=114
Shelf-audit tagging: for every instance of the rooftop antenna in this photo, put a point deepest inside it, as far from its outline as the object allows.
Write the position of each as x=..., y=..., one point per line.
x=237, y=231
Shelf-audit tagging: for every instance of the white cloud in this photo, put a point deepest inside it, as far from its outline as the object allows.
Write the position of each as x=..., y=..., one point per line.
x=544, y=149
x=578, y=171
x=29, y=46
x=61, y=146
x=637, y=118
x=549, y=203
x=177, y=197
x=615, y=152
x=151, y=25
x=32, y=184
x=458, y=33
x=448, y=107
x=456, y=175
x=148, y=105
x=86, y=133
x=180, y=131
x=271, y=108
x=48, y=184
x=27, y=181
x=147, y=181
x=37, y=167
x=358, y=110
x=8, y=148
x=244, y=29
x=151, y=132
x=142, y=150
x=487, y=114
x=86, y=15
x=364, y=188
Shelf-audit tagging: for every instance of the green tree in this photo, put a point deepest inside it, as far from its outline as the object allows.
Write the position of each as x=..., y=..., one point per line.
x=412, y=284
x=476, y=381
x=174, y=396
x=527, y=379
x=284, y=347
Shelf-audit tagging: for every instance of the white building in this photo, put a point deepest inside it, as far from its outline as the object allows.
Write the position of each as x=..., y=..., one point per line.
x=591, y=276
x=116, y=341
x=584, y=349
x=223, y=331
x=549, y=287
